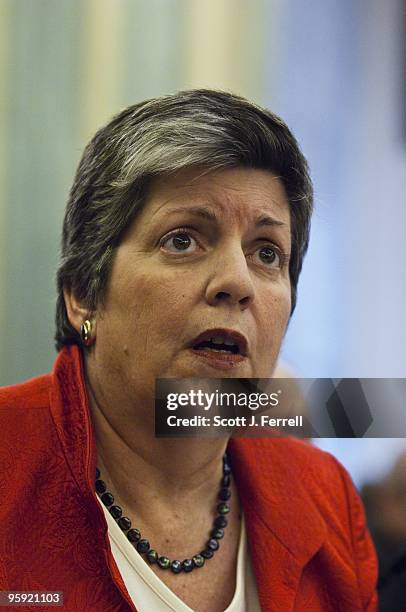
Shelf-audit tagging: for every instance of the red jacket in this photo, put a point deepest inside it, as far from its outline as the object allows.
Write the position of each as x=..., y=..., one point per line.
x=305, y=524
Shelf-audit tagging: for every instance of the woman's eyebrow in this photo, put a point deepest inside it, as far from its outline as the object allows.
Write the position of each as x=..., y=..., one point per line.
x=199, y=211
x=268, y=220
x=210, y=215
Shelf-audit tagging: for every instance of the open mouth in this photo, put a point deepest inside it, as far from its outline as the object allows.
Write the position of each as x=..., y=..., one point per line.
x=218, y=347
x=224, y=342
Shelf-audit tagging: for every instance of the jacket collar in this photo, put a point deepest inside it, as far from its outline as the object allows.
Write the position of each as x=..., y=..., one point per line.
x=283, y=523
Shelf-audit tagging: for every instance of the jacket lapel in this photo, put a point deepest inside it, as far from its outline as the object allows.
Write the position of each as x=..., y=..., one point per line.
x=70, y=414
x=284, y=527
x=72, y=419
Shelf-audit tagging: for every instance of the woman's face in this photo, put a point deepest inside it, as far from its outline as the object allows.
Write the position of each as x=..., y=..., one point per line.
x=208, y=254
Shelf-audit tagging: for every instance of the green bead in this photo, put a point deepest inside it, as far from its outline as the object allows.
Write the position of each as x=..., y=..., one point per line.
x=152, y=556
x=187, y=565
x=164, y=562
x=223, y=508
x=198, y=560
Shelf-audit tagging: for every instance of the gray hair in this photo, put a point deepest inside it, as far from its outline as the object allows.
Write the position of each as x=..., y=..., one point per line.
x=157, y=137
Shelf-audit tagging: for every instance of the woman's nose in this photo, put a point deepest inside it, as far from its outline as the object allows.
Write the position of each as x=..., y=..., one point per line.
x=230, y=281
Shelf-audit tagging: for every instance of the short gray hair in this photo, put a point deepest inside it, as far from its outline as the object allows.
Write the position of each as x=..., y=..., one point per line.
x=157, y=137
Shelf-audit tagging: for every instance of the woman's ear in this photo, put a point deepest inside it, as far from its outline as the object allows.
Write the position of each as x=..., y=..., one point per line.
x=80, y=317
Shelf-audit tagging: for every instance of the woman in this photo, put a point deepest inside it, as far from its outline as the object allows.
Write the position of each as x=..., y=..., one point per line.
x=183, y=241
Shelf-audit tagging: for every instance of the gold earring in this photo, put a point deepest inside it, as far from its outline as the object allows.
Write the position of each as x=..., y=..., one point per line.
x=86, y=332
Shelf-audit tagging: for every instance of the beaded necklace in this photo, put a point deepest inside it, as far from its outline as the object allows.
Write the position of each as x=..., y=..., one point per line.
x=143, y=546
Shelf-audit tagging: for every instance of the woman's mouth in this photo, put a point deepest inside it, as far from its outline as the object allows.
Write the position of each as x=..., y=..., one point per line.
x=224, y=349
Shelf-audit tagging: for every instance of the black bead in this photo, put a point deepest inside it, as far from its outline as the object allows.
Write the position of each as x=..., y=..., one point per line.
x=116, y=511
x=217, y=534
x=164, y=562
x=143, y=546
x=198, y=560
x=101, y=486
x=97, y=473
x=220, y=522
x=187, y=565
x=224, y=494
x=176, y=566
x=212, y=544
x=223, y=508
x=124, y=523
x=152, y=556
x=107, y=499
x=226, y=469
x=134, y=535
x=207, y=554
x=225, y=481
x=225, y=458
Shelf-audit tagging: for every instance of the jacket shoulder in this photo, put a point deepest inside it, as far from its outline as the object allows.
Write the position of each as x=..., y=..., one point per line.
x=293, y=453
x=31, y=394
x=307, y=457
x=323, y=476
x=290, y=464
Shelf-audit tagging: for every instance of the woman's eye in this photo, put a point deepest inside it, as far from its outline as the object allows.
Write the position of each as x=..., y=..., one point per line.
x=269, y=256
x=179, y=242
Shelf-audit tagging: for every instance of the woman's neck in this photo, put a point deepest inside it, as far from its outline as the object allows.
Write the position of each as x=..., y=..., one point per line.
x=152, y=474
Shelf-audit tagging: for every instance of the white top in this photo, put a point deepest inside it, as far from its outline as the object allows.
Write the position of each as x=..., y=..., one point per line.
x=149, y=593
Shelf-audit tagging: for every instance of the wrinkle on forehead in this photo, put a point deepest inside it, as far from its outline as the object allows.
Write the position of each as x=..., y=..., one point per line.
x=259, y=192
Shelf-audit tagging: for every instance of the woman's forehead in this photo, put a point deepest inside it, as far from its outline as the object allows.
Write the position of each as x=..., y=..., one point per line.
x=233, y=192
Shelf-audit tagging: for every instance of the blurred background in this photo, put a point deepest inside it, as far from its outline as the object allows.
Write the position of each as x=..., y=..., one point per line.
x=334, y=70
